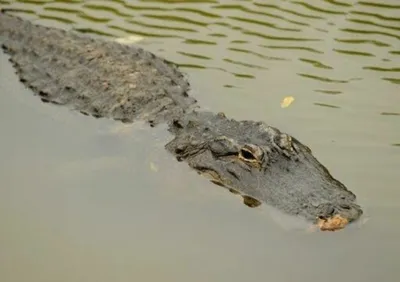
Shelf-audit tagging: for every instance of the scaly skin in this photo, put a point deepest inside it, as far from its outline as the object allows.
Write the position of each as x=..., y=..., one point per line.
x=107, y=79
x=96, y=77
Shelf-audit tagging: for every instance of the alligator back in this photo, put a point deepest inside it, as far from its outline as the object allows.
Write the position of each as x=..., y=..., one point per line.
x=96, y=77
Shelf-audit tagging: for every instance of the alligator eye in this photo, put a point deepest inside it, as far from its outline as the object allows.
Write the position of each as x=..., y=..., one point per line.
x=247, y=155
x=251, y=153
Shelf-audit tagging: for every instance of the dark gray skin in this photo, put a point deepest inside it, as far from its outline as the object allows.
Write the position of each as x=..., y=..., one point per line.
x=107, y=79
x=261, y=163
x=95, y=77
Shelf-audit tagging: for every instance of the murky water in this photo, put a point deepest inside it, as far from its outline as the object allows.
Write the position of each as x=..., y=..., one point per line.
x=92, y=200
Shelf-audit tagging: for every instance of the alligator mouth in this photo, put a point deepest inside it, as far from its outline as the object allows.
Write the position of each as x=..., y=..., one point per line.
x=212, y=175
x=339, y=217
x=323, y=223
x=215, y=178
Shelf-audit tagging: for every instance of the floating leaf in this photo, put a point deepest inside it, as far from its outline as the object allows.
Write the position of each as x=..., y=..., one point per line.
x=287, y=101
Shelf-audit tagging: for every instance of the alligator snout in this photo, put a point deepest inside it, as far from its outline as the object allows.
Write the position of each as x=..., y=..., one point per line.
x=334, y=217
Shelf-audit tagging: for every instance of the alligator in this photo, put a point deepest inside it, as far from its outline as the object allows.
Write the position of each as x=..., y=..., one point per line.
x=106, y=79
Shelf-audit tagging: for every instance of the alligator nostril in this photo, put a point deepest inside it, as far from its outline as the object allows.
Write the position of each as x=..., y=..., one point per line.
x=326, y=210
x=330, y=210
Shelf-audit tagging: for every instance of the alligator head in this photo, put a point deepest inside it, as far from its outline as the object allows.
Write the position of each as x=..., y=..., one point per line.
x=264, y=165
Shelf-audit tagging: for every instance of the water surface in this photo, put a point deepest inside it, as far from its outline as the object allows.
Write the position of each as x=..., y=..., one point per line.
x=93, y=200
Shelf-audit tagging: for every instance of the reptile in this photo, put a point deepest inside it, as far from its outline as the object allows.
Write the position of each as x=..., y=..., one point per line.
x=106, y=79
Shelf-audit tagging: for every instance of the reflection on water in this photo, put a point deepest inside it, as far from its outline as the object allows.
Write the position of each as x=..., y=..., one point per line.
x=84, y=199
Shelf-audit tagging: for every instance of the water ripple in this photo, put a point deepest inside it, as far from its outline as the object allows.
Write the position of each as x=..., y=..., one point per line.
x=244, y=64
x=370, y=32
x=382, y=69
x=280, y=38
x=199, y=42
x=326, y=105
x=199, y=12
x=194, y=55
x=366, y=22
x=255, y=12
x=142, y=33
x=392, y=80
x=162, y=27
x=35, y=2
x=354, y=53
x=379, y=5
x=256, y=54
x=338, y=3
x=262, y=23
x=318, y=9
x=105, y=8
x=315, y=63
x=170, y=18
x=288, y=11
x=376, y=15
x=364, y=41
x=313, y=41
x=57, y=18
x=298, y=48
x=323, y=79
x=330, y=92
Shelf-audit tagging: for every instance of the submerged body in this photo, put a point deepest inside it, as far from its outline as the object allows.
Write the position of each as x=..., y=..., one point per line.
x=108, y=79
